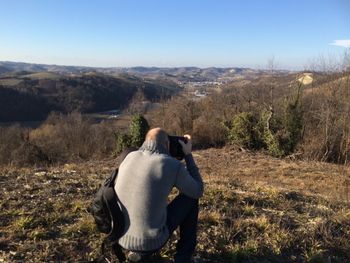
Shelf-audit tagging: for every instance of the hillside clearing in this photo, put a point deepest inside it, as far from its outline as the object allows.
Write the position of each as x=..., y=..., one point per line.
x=255, y=209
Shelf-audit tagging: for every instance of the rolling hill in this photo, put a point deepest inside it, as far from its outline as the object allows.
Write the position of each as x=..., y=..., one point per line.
x=182, y=74
x=27, y=96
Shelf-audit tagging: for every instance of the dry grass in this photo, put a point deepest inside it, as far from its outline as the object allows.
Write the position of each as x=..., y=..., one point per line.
x=255, y=209
x=311, y=178
x=10, y=81
x=43, y=75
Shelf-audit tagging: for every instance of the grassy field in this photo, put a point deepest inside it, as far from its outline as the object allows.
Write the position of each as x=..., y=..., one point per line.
x=255, y=209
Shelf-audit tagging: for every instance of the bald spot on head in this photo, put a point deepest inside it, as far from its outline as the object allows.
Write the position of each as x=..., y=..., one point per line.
x=158, y=135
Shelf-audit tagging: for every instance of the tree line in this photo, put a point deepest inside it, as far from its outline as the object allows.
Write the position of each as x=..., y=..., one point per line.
x=278, y=116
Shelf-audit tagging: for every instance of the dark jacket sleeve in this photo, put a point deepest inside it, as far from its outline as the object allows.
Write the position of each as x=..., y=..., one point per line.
x=189, y=181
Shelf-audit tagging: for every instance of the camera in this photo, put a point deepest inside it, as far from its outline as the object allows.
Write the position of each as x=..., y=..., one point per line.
x=175, y=147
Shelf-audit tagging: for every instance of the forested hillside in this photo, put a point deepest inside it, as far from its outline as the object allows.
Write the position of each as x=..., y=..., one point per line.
x=31, y=97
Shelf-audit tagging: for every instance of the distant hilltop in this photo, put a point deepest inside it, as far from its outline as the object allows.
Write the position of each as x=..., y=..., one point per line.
x=181, y=74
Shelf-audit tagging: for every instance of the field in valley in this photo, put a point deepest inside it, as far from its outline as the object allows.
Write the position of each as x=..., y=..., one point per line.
x=255, y=209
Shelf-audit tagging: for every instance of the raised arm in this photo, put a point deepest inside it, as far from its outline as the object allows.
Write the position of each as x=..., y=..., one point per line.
x=189, y=180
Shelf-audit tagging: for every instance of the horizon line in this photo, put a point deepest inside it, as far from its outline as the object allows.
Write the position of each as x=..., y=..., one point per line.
x=141, y=66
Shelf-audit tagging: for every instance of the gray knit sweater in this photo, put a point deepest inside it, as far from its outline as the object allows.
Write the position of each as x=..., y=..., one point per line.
x=145, y=179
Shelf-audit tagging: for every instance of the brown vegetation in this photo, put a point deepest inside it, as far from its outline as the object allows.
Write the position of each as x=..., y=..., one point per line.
x=255, y=209
x=59, y=139
x=327, y=130
x=310, y=121
x=274, y=113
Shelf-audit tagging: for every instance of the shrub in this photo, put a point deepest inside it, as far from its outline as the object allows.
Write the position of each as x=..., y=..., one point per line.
x=176, y=116
x=65, y=137
x=137, y=133
x=244, y=131
x=281, y=135
x=29, y=153
x=268, y=128
x=293, y=122
x=138, y=130
x=104, y=134
x=61, y=138
x=11, y=138
x=208, y=133
x=123, y=141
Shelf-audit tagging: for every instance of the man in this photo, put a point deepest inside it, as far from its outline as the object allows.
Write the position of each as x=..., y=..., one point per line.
x=145, y=179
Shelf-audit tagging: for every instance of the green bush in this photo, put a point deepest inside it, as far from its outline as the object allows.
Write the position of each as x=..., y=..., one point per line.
x=123, y=142
x=137, y=133
x=293, y=123
x=282, y=135
x=278, y=135
x=244, y=131
x=138, y=130
x=270, y=128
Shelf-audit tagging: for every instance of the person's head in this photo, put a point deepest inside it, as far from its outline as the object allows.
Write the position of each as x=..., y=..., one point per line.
x=159, y=136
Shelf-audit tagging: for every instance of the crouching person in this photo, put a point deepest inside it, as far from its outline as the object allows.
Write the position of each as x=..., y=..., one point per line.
x=145, y=180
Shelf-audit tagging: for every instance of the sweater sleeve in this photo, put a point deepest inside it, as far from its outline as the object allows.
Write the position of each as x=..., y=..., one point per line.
x=189, y=181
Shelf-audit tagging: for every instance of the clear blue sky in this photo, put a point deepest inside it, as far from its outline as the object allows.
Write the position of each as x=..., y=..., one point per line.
x=173, y=32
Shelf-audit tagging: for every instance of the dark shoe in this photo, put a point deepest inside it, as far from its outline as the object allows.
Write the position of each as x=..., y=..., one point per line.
x=192, y=260
x=137, y=257
x=197, y=260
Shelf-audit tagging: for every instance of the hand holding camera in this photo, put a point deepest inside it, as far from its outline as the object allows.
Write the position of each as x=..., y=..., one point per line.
x=186, y=147
x=180, y=146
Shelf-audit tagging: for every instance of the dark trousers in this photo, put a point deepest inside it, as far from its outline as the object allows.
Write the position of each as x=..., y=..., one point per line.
x=183, y=212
